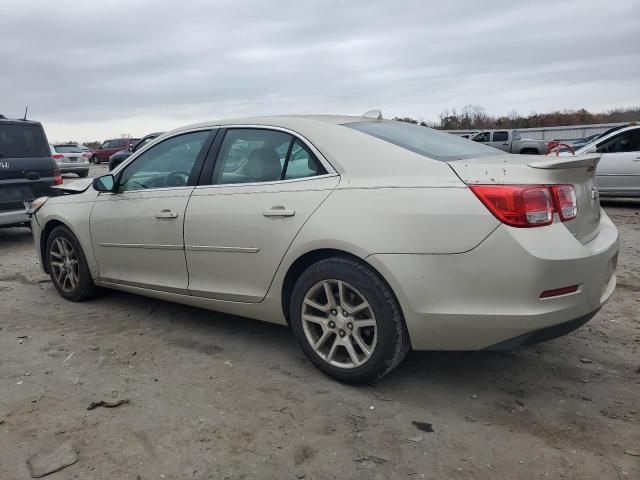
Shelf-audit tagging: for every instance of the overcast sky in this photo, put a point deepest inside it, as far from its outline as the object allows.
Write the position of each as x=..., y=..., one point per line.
x=93, y=70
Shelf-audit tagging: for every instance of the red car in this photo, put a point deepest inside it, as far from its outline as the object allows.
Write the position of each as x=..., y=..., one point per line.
x=109, y=147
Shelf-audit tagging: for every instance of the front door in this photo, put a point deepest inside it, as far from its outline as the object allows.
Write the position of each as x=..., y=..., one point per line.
x=618, y=171
x=265, y=185
x=137, y=232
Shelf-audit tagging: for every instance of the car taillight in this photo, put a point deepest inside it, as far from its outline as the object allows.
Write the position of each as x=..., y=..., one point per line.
x=57, y=178
x=526, y=206
x=566, y=202
x=57, y=156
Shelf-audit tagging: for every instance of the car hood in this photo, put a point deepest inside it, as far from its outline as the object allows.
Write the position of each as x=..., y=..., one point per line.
x=78, y=186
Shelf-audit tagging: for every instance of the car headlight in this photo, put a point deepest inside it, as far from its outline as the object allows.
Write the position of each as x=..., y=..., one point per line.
x=37, y=205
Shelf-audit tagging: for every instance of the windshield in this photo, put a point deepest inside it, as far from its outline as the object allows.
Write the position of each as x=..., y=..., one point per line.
x=23, y=141
x=423, y=140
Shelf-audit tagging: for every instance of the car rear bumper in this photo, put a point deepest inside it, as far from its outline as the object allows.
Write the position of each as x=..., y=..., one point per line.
x=73, y=167
x=13, y=217
x=491, y=294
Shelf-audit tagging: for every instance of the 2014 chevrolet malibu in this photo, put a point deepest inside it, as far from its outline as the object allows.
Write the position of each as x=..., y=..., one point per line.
x=368, y=237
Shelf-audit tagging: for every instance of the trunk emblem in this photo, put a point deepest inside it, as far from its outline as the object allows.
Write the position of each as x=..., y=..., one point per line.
x=4, y=165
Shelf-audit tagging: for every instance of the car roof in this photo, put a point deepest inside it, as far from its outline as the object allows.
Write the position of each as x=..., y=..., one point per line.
x=283, y=121
x=17, y=121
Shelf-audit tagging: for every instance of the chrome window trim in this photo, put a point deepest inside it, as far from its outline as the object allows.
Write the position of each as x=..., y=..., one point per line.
x=273, y=182
x=145, y=190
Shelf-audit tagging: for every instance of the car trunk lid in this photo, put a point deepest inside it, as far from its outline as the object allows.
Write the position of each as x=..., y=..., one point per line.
x=536, y=170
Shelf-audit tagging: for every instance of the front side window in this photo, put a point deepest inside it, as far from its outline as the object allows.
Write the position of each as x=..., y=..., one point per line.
x=500, y=136
x=119, y=143
x=165, y=165
x=105, y=144
x=624, y=142
x=482, y=137
x=249, y=155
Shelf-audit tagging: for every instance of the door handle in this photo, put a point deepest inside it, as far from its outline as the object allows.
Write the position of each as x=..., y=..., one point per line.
x=505, y=144
x=166, y=214
x=637, y=159
x=279, y=212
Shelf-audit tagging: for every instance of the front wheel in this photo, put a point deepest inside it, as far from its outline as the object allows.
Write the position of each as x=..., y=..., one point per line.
x=95, y=160
x=68, y=266
x=83, y=174
x=348, y=321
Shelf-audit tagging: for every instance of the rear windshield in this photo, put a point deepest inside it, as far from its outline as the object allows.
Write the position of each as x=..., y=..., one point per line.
x=423, y=140
x=22, y=141
x=69, y=149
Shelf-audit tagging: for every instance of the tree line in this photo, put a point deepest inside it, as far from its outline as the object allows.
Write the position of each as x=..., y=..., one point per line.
x=475, y=117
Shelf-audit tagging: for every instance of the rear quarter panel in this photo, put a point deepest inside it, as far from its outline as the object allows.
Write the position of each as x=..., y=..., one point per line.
x=408, y=220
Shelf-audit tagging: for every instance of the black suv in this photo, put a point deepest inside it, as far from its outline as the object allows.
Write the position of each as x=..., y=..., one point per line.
x=27, y=170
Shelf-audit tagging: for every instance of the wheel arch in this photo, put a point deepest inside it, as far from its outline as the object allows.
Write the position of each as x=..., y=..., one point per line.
x=49, y=226
x=529, y=151
x=311, y=257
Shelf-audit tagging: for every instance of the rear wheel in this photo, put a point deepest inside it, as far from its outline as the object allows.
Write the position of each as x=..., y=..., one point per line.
x=348, y=321
x=68, y=267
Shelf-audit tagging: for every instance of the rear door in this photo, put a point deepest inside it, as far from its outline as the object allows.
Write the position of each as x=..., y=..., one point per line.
x=619, y=168
x=263, y=186
x=500, y=140
x=26, y=167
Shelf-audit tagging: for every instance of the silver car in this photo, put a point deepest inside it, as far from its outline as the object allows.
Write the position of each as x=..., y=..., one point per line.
x=367, y=237
x=72, y=158
x=618, y=172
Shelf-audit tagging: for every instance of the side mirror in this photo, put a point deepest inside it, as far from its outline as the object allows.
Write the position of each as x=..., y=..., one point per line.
x=105, y=183
x=591, y=149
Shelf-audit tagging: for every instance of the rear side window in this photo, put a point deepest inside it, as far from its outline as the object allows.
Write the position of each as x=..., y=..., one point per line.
x=23, y=141
x=500, y=136
x=250, y=155
x=423, y=140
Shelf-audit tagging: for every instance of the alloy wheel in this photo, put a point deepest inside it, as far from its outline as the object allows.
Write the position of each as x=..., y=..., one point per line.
x=64, y=264
x=339, y=323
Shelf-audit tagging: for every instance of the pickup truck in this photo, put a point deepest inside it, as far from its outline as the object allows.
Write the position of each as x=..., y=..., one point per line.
x=511, y=141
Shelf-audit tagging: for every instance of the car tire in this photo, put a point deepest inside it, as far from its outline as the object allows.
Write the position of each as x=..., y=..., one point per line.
x=376, y=331
x=95, y=160
x=83, y=174
x=68, y=266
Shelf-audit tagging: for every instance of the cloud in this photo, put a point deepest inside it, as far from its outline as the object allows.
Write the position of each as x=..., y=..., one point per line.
x=93, y=70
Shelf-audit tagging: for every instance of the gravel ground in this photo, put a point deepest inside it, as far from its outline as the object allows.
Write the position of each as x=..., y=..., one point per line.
x=216, y=396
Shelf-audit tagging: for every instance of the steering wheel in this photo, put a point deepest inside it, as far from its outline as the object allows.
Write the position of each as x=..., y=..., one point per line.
x=556, y=146
x=178, y=178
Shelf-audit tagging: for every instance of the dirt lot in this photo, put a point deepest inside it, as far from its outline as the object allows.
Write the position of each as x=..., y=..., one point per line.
x=215, y=396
